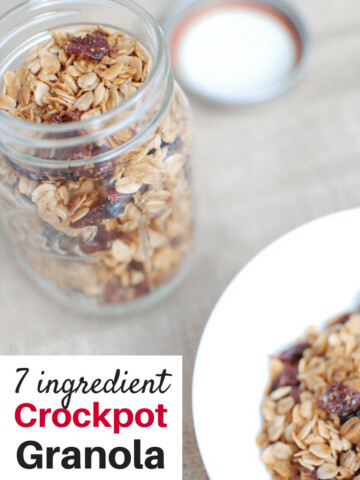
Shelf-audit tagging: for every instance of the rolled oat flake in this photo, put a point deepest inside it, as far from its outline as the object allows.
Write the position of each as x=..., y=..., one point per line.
x=236, y=52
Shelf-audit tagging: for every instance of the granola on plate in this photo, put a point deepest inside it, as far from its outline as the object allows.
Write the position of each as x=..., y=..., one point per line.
x=311, y=409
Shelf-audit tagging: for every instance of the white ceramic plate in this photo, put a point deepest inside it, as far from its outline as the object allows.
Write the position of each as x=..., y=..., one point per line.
x=302, y=279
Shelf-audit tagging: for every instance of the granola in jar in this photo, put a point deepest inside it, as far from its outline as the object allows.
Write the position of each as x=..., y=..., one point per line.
x=311, y=409
x=104, y=214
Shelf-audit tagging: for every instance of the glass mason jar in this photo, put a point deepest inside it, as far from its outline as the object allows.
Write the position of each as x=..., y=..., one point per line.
x=99, y=212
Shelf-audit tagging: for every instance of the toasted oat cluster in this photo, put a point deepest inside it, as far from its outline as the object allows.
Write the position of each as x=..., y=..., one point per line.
x=75, y=77
x=113, y=230
x=311, y=410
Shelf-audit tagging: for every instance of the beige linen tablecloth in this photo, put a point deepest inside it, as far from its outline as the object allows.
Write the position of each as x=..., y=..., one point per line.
x=261, y=171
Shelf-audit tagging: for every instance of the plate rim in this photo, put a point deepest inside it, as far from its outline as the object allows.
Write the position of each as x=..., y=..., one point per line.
x=291, y=232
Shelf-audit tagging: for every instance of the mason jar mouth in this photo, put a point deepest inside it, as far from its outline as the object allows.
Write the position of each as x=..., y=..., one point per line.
x=50, y=136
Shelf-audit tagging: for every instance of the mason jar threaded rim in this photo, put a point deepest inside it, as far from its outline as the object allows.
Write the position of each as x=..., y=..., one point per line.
x=12, y=127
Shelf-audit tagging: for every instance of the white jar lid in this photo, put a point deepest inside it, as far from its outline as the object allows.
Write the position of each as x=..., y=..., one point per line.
x=236, y=52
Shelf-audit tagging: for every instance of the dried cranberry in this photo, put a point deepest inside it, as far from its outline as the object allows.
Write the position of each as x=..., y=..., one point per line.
x=70, y=175
x=295, y=393
x=144, y=188
x=339, y=398
x=113, y=210
x=294, y=354
x=66, y=116
x=142, y=289
x=343, y=319
x=171, y=147
x=116, y=202
x=82, y=152
x=93, y=150
x=286, y=378
x=115, y=292
x=135, y=265
x=93, y=46
x=115, y=197
x=309, y=474
x=38, y=175
x=349, y=417
x=93, y=217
